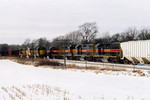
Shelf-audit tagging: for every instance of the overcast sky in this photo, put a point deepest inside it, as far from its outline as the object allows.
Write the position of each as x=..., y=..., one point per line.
x=21, y=19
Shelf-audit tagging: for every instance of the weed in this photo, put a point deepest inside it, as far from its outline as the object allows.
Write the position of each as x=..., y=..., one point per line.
x=139, y=72
x=45, y=62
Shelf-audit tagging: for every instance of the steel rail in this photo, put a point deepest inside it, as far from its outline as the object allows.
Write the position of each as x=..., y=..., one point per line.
x=107, y=65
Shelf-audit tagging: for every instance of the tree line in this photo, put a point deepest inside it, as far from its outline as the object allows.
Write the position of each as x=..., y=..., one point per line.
x=86, y=33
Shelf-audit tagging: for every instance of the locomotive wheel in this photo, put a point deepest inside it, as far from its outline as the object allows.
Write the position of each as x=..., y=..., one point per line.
x=95, y=60
x=85, y=58
x=98, y=60
x=114, y=61
x=68, y=58
x=110, y=60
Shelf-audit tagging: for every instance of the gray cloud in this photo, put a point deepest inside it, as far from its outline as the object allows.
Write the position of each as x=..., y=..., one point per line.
x=32, y=19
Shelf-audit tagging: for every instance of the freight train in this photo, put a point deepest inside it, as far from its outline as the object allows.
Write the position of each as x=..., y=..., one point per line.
x=126, y=52
x=105, y=52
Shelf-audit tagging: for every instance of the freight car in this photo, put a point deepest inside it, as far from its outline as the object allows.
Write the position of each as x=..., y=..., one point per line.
x=13, y=52
x=136, y=51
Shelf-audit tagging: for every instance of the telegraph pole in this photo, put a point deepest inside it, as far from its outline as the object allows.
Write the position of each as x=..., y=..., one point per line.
x=64, y=45
x=64, y=56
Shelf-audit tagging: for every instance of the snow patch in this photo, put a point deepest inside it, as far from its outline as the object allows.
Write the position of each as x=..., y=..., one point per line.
x=26, y=82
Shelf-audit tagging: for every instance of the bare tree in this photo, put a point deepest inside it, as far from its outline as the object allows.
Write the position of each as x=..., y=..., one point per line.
x=41, y=42
x=14, y=47
x=105, y=37
x=58, y=41
x=88, y=31
x=116, y=37
x=26, y=43
x=129, y=35
x=74, y=37
x=144, y=34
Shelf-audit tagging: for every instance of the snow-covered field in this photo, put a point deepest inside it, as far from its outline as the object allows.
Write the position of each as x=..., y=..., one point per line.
x=26, y=82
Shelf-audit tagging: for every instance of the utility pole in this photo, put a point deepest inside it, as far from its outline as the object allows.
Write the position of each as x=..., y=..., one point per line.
x=64, y=56
x=64, y=45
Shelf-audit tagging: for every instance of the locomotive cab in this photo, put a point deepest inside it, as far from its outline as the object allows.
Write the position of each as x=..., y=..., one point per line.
x=72, y=52
x=107, y=52
x=77, y=52
x=40, y=52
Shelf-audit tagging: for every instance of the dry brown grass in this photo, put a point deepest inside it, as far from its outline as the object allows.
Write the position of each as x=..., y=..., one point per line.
x=5, y=57
x=73, y=66
x=24, y=61
x=47, y=62
x=37, y=62
x=148, y=72
x=35, y=92
x=139, y=72
x=97, y=72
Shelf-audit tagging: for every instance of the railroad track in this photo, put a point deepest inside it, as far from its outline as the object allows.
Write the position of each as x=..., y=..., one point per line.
x=102, y=65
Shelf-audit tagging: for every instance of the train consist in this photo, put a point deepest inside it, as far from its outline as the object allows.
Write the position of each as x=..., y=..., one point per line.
x=125, y=52
x=33, y=53
x=99, y=52
x=92, y=52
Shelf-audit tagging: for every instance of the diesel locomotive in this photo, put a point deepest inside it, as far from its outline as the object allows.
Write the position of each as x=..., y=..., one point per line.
x=33, y=52
x=105, y=52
